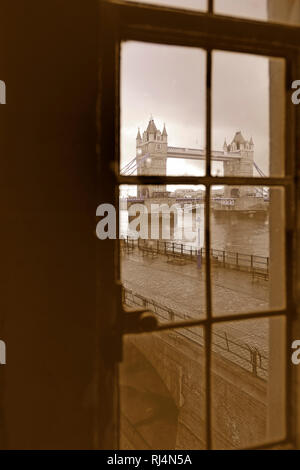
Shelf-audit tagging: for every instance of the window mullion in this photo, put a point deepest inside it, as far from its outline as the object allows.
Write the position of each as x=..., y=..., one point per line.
x=208, y=328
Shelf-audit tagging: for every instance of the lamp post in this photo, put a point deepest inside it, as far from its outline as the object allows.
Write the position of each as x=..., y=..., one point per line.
x=199, y=256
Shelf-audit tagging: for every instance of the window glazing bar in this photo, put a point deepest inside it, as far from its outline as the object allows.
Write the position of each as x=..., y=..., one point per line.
x=215, y=320
x=205, y=180
x=190, y=26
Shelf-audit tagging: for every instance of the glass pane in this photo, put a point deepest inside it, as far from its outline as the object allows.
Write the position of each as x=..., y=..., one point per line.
x=248, y=111
x=248, y=249
x=287, y=12
x=162, y=384
x=252, y=9
x=279, y=11
x=248, y=383
x=168, y=81
x=162, y=256
x=200, y=5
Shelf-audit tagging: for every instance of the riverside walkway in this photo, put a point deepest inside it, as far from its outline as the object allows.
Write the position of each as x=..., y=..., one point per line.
x=182, y=286
x=177, y=292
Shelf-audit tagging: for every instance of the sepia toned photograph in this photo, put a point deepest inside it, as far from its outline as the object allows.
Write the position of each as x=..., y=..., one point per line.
x=150, y=235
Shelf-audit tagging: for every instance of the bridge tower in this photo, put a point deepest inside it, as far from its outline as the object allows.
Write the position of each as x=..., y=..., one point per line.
x=241, y=164
x=151, y=155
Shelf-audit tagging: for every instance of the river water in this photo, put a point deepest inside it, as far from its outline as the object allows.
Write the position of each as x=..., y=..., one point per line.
x=232, y=232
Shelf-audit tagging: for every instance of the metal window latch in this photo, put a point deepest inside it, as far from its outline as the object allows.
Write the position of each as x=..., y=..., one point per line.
x=135, y=320
x=138, y=321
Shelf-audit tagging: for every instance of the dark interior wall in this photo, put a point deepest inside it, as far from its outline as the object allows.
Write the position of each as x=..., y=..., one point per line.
x=48, y=59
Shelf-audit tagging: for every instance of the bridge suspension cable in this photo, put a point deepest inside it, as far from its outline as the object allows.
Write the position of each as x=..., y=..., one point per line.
x=127, y=168
x=263, y=192
x=259, y=171
x=133, y=165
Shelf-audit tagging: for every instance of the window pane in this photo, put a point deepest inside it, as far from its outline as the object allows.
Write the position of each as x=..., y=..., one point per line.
x=162, y=250
x=245, y=141
x=252, y=9
x=168, y=81
x=200, y=5
x=279, y=11
x=162, y=383
x=248, y=249
x=248, y=383
x=287, y=12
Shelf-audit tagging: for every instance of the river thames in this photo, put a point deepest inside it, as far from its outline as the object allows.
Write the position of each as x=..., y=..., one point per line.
x=233, y=232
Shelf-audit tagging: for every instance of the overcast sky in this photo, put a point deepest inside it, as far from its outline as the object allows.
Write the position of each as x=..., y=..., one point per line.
x=169, y=83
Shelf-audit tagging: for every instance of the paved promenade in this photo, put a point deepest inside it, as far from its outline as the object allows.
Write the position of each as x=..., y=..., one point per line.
x=182, y=289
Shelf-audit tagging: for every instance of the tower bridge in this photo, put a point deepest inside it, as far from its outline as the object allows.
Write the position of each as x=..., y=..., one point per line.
x=198, y=154
x=153, y=152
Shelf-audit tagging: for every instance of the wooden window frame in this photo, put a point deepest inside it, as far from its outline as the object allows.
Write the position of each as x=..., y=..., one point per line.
x=123, y=21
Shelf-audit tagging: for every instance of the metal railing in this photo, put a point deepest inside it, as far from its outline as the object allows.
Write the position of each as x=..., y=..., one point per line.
x=242, y=354
x=222, y=258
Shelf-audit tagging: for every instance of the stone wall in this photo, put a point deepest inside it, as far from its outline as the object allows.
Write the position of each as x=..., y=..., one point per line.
x=173, y=379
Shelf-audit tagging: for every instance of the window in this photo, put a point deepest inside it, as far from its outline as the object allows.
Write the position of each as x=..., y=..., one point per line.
x=207, y=364
x=287, y=11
